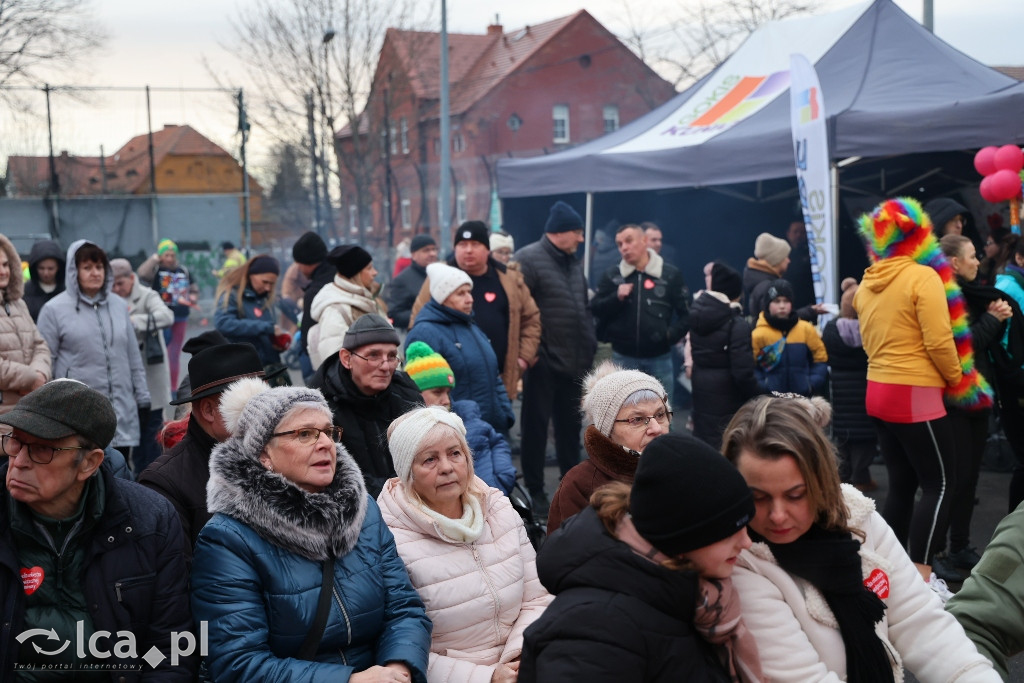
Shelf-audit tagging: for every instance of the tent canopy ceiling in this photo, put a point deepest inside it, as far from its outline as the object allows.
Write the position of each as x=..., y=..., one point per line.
x=889, y=87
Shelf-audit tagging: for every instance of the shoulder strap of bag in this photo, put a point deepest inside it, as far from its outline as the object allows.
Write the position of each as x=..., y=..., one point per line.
x=316, y=631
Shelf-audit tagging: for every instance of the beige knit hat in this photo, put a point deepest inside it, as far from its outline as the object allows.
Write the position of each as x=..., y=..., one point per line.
x=444, y=280
x=607, y=388
x=771, y=249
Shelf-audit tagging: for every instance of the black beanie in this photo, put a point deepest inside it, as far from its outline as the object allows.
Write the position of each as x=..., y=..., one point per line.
x=474, y=230
x=264, y=264
x=686, y=495
x=943, y=210
x=776, y=289
x=309, y=249
x=349, y=259
x=421, y=241
x=726, y=280
x=563, y=218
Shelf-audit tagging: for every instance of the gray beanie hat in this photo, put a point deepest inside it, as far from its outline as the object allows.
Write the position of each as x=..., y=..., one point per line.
x=252, y=410
x=771, y=249
x=369, y=329
x=607, y=388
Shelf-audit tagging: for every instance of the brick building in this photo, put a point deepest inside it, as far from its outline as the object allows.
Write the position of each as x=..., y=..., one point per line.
x=531, y=91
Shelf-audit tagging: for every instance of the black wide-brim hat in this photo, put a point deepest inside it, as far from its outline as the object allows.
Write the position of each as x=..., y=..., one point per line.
x=213, y=369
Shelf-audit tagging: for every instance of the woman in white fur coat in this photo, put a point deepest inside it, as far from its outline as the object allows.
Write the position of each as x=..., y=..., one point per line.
x=826, y=589
x=465, y=548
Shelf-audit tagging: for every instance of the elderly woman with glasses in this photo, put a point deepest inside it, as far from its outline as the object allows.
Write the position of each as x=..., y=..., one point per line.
x=446, y=324
x=296, y=575
x=624, y=410
x=466, y=549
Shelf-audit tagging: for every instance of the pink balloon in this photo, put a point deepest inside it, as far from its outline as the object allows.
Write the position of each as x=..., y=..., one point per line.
x=985, y=160
x=1005, y=185
x=1010, y=158
x=987, y=192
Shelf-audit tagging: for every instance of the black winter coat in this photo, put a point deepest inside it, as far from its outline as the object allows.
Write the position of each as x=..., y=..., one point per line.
x=652, y=318
x=849, y=364
x=723, y=366
x=365, y=419
x=616, y=617
x=135, y=579
x=180, y=476
x=559, y=289
x=403, y=292
x=755, y=291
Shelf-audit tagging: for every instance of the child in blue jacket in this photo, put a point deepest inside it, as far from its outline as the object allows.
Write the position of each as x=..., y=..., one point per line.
x=789, y=354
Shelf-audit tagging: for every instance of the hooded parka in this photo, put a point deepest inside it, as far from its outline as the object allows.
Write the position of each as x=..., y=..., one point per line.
x=35, y=295
x=24, y=355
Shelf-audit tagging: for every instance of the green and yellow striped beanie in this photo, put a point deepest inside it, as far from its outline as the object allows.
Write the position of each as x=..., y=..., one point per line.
x=427, y=367
x=166, y=245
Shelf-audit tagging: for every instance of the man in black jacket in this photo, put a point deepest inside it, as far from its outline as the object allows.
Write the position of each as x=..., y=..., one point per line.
x=551, y=388
x=404, y=288
x=181, y=474
x=641, y=307
x=83, y=553
x=366, y=391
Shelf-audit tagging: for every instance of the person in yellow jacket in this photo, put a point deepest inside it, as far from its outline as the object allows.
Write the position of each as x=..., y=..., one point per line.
x=232, y=259
x=789, y=356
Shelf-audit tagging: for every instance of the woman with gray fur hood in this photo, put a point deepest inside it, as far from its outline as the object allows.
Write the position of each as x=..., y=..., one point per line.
x=289, y=507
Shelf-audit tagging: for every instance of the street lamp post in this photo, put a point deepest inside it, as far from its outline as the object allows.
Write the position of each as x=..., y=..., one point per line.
x=327, y=120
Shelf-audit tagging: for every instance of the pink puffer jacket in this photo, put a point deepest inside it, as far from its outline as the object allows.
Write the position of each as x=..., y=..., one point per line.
x=480, y=596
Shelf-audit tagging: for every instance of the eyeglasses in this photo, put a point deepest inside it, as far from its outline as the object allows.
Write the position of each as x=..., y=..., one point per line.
x=39, y=453
x=379, y=359
x=662, y=417
x=310, y=435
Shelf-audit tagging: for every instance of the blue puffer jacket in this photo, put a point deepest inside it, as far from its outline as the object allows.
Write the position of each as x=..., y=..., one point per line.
x=254, y=324
x=800, y=366
x=463, y=344
x=492, y=458
x=257, y=574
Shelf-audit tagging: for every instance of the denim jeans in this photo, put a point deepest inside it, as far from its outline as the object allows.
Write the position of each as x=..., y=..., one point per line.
x=659, y=367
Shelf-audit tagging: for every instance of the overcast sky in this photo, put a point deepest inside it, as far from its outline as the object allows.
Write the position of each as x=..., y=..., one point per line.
x=162, y=43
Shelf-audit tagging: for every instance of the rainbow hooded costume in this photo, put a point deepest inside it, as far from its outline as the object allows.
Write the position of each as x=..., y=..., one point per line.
x=898, y=234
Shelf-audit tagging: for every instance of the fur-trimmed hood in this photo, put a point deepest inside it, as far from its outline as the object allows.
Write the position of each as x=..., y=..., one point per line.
x=618, y=462
x=313, y=525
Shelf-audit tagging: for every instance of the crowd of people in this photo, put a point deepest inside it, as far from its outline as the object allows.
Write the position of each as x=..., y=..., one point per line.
x=364, y=525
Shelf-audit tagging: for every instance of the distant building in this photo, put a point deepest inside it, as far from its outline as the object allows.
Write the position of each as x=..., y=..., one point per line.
x=528, y=92
x=185, y=161
x=1011, y=71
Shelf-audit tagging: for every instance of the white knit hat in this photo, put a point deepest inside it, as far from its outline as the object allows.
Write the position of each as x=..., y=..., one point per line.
x=408, y=430
x=252, y=410
x=607, y=388
x=500, y=241
x=444, y=280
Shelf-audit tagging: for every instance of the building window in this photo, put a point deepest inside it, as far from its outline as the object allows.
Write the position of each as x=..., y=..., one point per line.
x=405, y=135
x=458, y=144
x=460, y=203
x=611, y=118
x=353, y=218
x=393, y=130
x=560, y=114
x=406, y=213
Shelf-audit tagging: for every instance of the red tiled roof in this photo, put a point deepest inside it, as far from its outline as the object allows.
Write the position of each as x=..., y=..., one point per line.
x=1011, y=71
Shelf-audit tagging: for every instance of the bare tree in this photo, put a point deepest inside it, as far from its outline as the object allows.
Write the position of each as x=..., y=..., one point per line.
x=702, y=36
x=291, y=48
x=38, y=37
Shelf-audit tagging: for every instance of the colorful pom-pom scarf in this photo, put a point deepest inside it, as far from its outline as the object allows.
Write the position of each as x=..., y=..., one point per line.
x=900, y=227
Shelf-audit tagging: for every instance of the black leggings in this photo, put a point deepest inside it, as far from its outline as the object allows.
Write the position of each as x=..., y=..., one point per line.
x=1011, y=419
x=970, y=431
x=918, y=454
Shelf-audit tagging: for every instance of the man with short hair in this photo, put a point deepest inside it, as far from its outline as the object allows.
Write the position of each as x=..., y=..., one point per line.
x=310, y=252
x=404, y=288
x=641, y=307
x=502, y=304
x=84, y=555
x=366, y=391
x=551, y=388
x=181, y=474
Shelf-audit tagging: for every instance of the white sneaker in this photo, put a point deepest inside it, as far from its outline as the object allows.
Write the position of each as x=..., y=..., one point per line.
x=939, y=587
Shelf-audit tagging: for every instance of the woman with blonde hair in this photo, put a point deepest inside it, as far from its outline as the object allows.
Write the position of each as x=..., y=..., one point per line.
x=827, y=589
x=466, y=550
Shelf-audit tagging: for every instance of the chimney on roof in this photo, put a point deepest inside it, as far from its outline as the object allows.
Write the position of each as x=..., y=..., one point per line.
x=495, y=29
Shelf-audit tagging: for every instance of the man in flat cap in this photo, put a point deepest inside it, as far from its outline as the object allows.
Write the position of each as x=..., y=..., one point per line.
x=404, y=288
x=366, y=391
x=180, y=475
x=84, y=555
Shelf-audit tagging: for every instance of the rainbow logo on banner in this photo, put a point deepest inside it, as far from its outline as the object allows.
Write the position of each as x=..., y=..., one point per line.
x=810, y=105
x=748, y=95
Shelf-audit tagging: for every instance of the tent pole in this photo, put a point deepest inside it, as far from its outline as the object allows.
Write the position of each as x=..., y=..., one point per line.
x=834, y=256
x=588, y=234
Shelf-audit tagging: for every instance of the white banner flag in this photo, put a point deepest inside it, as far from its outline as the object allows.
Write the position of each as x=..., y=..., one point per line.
x=810, y=148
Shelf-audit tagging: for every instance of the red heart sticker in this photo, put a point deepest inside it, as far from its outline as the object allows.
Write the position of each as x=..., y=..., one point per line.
x=258, y=312
x=489, y=297
x=878, y=583
x=32, y=579
x=648, y=284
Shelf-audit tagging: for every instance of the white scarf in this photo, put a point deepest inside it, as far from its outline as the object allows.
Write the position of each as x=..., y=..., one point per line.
x=466, y=529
